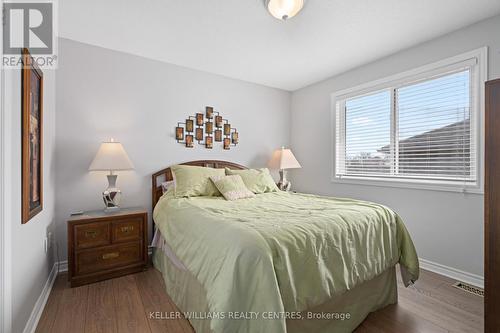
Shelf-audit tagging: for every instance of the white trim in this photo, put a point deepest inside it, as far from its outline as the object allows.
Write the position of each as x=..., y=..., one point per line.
x=407, y=183
x=63, y=266
x=453, y=273
x=41, y=301
x=481, y=56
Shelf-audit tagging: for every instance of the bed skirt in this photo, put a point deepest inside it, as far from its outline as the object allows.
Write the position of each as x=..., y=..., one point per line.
x=341, y=314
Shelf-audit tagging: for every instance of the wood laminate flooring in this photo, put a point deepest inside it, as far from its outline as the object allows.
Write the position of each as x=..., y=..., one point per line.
x=124, y=305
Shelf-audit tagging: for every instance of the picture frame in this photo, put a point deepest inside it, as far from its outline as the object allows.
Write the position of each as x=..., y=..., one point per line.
x=234, y=138
x=218, y=121
x=32, y=138
x=189, y=125
x=227, y=129
x=199, y=134
x=209, y=142
x=218, y=135
x=209, y=112
x=199, y=119
x=179, y=133
x=209, y=127
x=189, y=141
x=227, y=143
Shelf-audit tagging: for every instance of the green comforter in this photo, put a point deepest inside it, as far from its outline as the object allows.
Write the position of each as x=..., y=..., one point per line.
x=281, y=252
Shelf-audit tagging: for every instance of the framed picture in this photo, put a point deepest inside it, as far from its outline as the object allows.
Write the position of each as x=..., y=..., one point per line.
x=199, y=134
x=179, y=133
x=189, y=125
x=189, y=141
x=199, y=119
x=218, y=135
x=218, y=121
x=209, y=127
x=32, y=138
x=209, y=142
x=227, y=143
x=209, y=112
x=227, y=129
x=234, y=138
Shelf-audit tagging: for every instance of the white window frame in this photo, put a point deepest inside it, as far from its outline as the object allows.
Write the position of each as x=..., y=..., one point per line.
x=478, y=79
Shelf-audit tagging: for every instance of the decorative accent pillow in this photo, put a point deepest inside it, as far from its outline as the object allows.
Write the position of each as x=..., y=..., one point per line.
x=165, y=186
x=194, y=181
x=232, y=187
x=256, y=180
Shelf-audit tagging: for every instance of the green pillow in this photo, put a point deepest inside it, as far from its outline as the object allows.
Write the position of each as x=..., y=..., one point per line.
x=232, y=187
x=256, y=180
x=194, y=181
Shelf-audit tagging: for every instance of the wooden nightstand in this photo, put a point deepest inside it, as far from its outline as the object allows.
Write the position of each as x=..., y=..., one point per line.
x=105, y=245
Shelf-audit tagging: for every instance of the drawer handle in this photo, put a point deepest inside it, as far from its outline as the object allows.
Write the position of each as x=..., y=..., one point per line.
x=91, y=234
x=111, y=255
x=127, y=229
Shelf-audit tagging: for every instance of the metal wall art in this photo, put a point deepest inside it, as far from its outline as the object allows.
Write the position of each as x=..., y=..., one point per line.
x=205, y=129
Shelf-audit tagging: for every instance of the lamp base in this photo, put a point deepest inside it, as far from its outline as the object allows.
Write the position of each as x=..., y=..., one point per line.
x=284, y=184
x=112, y=195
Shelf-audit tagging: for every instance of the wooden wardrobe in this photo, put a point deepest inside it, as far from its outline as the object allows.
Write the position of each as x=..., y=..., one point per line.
x=492, y=208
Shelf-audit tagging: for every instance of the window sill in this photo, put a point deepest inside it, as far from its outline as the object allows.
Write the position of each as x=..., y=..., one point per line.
x=411, y=184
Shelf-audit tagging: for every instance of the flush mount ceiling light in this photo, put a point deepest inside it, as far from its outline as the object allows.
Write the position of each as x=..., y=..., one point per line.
x=284, y=9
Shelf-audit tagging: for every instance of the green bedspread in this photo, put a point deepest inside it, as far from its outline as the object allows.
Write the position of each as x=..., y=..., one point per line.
x=281, y=252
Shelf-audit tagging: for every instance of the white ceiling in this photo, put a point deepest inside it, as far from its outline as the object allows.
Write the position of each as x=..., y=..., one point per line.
x=239, y=39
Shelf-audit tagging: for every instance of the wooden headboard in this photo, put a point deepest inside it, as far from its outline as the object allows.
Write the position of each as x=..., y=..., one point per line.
x=166, y=175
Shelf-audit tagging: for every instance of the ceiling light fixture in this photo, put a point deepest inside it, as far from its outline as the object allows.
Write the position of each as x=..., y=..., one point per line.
x=284, y=9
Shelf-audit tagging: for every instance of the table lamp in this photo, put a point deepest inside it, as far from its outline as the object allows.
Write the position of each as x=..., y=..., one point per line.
x=111, y=157
x=281, y=160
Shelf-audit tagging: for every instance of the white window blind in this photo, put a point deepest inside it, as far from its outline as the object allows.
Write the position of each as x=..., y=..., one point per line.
x=418, y=129
x=434, y=129
x=367, y=130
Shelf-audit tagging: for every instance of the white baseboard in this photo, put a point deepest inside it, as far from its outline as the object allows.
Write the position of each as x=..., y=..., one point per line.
x=41, y=301
x=453, y=273
x=63, y=266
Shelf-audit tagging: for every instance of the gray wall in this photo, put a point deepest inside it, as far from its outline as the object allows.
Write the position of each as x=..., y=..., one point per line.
x=103, y=93
x=30, y=265
x=447, y=227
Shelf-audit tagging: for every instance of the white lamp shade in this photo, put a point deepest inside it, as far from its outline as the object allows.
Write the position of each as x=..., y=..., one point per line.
x=283, y=159
x=111, y=156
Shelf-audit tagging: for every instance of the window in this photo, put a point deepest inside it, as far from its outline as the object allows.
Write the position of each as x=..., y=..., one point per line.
x=367, y=131
x=419, y=128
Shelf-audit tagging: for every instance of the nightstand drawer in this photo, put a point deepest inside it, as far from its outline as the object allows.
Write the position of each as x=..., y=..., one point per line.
x=90, y=261
x=104, y=245
x=126, y=230
x=92, y=234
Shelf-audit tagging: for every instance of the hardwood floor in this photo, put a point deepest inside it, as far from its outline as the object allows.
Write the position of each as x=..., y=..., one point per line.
x=123, y=305
x=431, y=305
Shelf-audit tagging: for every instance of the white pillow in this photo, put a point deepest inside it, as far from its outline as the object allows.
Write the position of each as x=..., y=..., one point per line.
x=165, y=186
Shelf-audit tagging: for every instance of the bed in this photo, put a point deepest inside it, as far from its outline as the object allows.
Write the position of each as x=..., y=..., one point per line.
x=279, y=262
